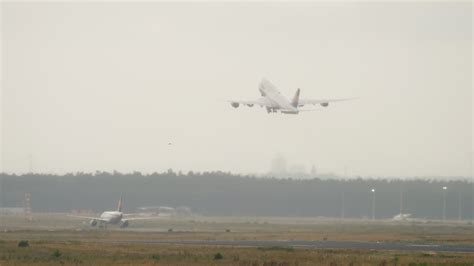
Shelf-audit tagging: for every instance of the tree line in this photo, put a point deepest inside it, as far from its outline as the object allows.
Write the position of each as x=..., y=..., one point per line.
x=224, y=193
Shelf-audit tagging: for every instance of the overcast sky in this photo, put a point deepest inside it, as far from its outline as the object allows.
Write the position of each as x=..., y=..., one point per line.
x=107, y=86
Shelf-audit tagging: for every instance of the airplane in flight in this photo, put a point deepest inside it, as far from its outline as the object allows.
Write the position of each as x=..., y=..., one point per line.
x=116, y=217
x=274, y=101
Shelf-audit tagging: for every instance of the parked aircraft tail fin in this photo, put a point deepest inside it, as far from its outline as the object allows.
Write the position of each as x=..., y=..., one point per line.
x=119, y=207
x=296, y=99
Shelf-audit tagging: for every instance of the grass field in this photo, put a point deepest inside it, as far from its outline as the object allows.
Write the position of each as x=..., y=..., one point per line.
x=56, y=239
x=78, y=253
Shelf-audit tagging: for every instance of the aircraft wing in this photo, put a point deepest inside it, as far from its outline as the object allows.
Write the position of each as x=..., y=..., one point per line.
x=88, y=217
x=142, y=218
x=302, y=102
x=262, y=102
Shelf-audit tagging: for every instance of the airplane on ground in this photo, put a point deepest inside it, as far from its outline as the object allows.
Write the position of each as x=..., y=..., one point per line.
x=113, y=217
x=274, y=101
x=402, y=217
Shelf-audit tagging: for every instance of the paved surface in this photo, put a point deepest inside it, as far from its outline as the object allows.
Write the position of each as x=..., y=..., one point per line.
x=315, y=244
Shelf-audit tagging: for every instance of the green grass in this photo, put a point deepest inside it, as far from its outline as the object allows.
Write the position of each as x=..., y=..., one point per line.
x=54, y=253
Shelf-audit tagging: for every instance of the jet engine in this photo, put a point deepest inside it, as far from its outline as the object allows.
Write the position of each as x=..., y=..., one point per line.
x=93, y=222
x=234, y=104
x=324, y=104
x=123, y=224
x=250, y=105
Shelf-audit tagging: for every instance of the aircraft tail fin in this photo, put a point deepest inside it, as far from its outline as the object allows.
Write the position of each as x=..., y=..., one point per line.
x=119, y=207
x=296, y=98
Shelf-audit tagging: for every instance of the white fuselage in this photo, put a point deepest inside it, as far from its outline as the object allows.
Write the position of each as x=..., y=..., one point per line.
x=277, y=100
x=112, y=217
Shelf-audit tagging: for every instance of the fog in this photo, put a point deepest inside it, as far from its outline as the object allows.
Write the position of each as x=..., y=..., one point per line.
x=108, y=86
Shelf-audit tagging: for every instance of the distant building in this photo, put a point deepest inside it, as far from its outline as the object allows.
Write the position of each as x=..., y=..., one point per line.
x=298, y=170
x=278, y=166
x=12, y=211
x=314, y=171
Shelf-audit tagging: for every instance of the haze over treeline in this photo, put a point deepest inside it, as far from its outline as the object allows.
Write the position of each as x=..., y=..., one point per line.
x=220, y=193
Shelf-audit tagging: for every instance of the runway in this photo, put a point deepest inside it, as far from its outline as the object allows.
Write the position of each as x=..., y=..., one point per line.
x=315, y=245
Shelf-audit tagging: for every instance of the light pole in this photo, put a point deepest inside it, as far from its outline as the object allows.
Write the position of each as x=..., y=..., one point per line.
x=342, y=206
x=373, y=204
x=460, y=206
x=401, y=200
x=444, y=203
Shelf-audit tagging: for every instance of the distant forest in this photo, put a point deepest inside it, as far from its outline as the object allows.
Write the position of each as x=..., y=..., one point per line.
x=220, y=193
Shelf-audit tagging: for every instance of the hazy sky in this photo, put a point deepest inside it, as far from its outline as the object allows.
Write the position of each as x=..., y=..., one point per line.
x=104, y=86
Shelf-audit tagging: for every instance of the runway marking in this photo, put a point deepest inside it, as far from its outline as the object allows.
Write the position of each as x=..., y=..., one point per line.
x=309, y=244
x=304, y=246
x=419, y=245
